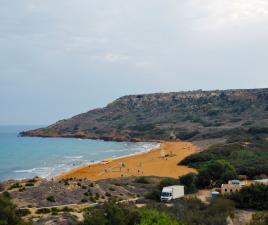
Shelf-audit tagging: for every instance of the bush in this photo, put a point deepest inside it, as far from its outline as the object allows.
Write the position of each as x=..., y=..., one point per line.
x=54, y=211
x=8, y=212
x=252, y=197
x=51, y=198
x=215, y=173
x=29, y=184
x=111, y=213
x=84, y=200
x=154, y=195
x=194, y=212
x=154, y=217
x=189, y=182
x=248, y=156
x=22, y=189
x=168, y=182
x=43, y=211
x=13, y=186
x=67, y=209
x=142, y=180
x=260, y=218
x=22, y=212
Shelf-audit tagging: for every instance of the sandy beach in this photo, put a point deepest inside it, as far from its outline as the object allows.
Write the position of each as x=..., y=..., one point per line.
x=161, y=161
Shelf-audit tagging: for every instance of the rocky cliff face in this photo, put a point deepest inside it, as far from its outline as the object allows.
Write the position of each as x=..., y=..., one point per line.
x=164, y=116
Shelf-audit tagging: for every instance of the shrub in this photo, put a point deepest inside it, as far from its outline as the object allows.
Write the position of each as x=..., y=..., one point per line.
x=154, y=217
x=248, y=156
x=168, y=182
x=29, y=184
x=252, y=197
x=108, y=194
x=22, y=212
x=154, y=194
x=260, y=218
x=22, y=189
x=43, y=211
x=13, y=186
x=214, y=173
x=92, y=199
x=194, y=212
x=189, y=183
x=51, y=198
x=8, y=213
x=54, y=211
x=83, y=200
x=111, y=213
x=142, y=180
x=67, y=209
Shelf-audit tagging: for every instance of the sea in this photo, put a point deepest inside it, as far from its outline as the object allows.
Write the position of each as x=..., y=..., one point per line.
x=26, y=157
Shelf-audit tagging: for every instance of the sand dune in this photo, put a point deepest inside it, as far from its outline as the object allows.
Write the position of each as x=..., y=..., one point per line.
x=151, y=163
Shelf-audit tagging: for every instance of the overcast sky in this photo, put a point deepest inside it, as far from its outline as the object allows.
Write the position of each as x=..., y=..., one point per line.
x=60, y=58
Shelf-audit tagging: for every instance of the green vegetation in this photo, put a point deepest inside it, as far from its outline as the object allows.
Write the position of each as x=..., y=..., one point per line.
x=215, y=173
x=194, y=212
x=29, y=184
x=252, y=197
x=84, y=200
x=193, y=115
x=116, y=214
x=154, y=217
x=111, y=214
x=260, y=218
x=51, y=198
x=143, y=180
x=190, y=212
x=22, y=212
x=248, y=157
x=189, y=182
x=13, y=186
x=43, y=211
x=8, y=212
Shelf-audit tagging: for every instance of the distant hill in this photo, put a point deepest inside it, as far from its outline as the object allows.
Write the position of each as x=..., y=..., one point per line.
x=192, y=115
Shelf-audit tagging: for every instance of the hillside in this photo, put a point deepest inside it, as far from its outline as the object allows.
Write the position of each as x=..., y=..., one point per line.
x=191, y=115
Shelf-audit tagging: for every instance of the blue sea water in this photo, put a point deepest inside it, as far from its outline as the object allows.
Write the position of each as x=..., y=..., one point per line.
x=26, y=157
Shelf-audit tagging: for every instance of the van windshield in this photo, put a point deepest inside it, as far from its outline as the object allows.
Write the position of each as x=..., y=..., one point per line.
x=166, y=194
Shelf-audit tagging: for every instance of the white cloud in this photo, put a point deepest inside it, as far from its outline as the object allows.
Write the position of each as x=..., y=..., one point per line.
x=111, y=57
x=221, y=14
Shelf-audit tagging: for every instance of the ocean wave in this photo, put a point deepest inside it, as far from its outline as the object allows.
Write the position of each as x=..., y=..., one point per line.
x=74, y=157
x=39, y=171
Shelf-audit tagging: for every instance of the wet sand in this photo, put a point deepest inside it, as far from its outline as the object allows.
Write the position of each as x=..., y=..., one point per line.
x=161, y=161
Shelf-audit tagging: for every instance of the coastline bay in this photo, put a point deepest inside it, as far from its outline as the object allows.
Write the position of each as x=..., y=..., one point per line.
x=24, y=157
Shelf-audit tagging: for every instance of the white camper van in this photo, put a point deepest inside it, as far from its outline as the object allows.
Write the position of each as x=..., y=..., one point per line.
x=172, y=192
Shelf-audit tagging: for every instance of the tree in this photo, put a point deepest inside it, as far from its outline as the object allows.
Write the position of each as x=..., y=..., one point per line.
x=153, y=217
x=111, y=213
x=254, y=197
x=8, y=214
x=214, y=173
x=189, y=182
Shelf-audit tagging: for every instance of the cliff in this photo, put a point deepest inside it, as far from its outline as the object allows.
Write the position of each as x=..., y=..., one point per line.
x=192, y=115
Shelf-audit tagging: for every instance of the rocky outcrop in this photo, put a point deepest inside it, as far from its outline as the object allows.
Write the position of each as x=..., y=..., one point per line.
x=189, y=115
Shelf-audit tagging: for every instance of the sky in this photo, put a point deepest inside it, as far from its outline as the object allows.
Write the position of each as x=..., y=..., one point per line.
x=60, y=58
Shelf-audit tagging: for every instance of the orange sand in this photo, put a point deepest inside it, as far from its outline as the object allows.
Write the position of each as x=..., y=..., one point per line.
x=145, y=164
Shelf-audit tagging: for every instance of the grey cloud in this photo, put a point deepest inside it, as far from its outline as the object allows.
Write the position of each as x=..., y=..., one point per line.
x=59, y=58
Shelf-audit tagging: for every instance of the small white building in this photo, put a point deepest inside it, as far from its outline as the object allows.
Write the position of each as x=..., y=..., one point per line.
x=262, y=181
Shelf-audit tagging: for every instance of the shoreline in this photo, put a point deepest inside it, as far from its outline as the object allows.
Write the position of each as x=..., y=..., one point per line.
x=157, y=145
x=148, y=163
